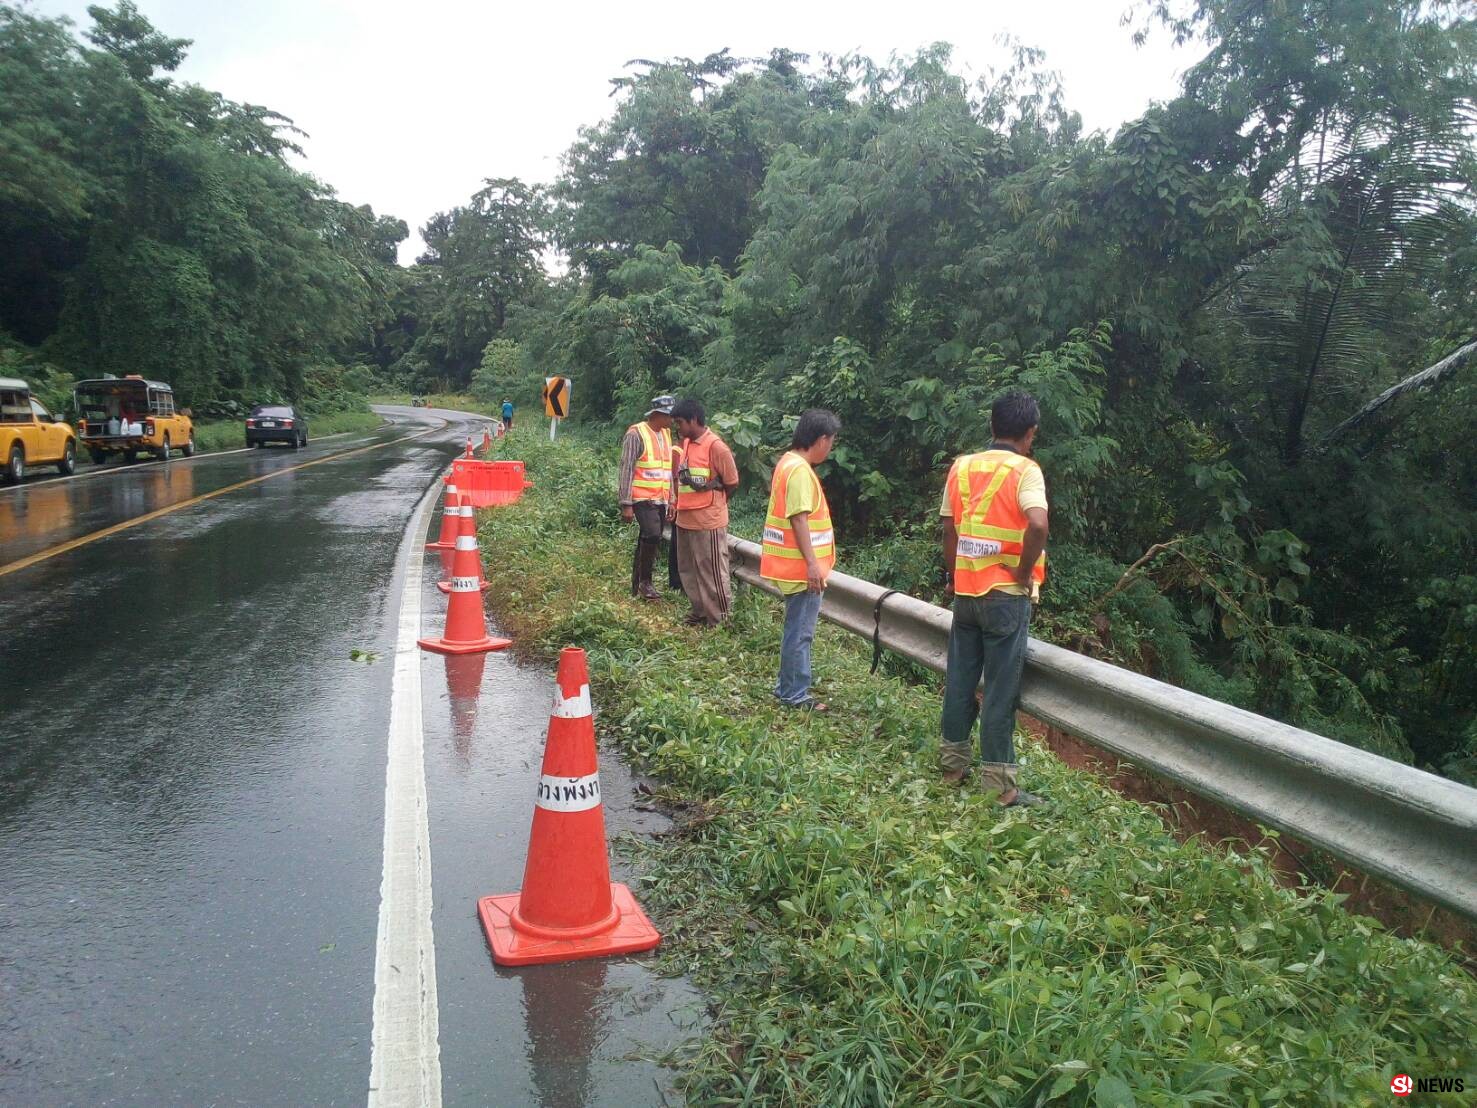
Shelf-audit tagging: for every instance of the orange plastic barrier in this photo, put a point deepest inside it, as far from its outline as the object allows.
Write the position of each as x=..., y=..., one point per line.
x=569, y=908
x=489, y=484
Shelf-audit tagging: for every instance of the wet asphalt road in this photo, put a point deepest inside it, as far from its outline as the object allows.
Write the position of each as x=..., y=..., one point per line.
x=192, y=775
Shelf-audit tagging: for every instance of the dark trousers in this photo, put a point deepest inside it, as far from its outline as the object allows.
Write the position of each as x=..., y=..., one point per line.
x=988, y=641
x=650, y=518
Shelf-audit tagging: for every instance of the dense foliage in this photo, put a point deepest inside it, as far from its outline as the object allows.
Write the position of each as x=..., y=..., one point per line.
x=1207, y=302
x=870, y=936
x=1204, y=302
x=158, y=228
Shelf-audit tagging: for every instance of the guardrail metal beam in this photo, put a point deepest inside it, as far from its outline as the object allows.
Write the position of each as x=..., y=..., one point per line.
x=1411, y=828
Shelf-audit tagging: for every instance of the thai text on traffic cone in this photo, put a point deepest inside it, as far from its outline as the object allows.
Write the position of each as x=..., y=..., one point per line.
x=465, y=513
x=450, y=521
x=568, y=907
x=466, y=622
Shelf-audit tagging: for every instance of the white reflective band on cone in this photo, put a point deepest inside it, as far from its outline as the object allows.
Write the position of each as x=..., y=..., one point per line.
x=466, y=542
x=568, y=794
x=575, y=707
x=465, y=584
x=466, y=510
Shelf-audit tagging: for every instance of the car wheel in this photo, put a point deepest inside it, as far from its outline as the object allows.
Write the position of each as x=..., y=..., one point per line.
x=188, y=450
x=297, y=442
x=164, y=452
x=68, y=465
x=15, y=466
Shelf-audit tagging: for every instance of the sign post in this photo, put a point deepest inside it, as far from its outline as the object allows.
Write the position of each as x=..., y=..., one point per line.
x=556, y=401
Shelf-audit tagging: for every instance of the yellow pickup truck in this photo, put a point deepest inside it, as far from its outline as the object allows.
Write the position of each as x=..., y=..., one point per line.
x=126, y=415
x=30, y=435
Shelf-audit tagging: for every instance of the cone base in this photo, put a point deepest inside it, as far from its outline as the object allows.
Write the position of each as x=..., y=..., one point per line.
x=440, y=546
x=445, y=586
x=511, y=947
x=476, y=646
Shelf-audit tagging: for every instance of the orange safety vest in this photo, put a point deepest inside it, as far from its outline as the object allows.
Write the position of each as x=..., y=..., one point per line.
x=652, y=477
x=782, y=560
x=991, y=523
x=695, y=456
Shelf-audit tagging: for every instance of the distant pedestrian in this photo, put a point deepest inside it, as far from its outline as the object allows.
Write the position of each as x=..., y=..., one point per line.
x=995, y=527
x=800, y=550
x=508, y=414
x=645, y=489
x=706, y=477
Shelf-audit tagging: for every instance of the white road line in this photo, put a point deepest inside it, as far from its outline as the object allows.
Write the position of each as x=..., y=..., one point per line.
x=405, y=1056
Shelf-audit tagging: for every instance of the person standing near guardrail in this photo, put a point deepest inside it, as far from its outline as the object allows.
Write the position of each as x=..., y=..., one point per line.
x=800, y=550
x=995, y=527
x=645, y=489
x=508, y=414
x=706, y=477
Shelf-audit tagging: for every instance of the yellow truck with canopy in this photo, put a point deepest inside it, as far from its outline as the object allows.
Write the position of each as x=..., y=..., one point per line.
x=127, y=415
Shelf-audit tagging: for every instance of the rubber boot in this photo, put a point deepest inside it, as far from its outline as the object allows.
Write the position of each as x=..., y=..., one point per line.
x=645, y=559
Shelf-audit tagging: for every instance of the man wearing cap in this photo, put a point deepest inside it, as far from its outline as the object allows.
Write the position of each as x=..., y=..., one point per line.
x=645, y=488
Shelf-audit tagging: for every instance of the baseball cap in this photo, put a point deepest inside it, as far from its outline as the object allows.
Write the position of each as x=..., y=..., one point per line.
x=662, y=404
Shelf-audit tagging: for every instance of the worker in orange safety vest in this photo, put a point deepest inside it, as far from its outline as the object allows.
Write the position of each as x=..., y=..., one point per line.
x=994, y=514
x=645, y=490
x=799, y=550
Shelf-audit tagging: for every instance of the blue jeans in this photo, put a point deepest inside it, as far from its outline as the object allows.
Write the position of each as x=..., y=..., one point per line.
x=802, y=609
x=988, y=641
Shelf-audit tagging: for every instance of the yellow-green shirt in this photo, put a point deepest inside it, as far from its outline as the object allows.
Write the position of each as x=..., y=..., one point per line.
x=801, y=498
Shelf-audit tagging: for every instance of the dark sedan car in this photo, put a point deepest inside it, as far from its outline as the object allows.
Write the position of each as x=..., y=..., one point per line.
x=276, y=423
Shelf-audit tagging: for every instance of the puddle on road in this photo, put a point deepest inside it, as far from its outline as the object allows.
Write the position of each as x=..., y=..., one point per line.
x=562, y=1036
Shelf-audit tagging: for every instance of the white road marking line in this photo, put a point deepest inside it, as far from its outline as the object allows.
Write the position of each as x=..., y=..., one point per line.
x=405, y=1056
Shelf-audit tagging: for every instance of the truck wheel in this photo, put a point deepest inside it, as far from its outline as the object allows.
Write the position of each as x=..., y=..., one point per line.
x=130, y=455
x=15, y=467
x=164, y=453
x=68, y=465
x=188, y=450
x=98, y=457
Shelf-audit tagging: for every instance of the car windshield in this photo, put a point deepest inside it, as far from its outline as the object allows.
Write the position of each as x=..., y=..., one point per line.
x=272, y=412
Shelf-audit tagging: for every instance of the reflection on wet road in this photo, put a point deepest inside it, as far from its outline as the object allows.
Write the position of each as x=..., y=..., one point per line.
x=192, y=775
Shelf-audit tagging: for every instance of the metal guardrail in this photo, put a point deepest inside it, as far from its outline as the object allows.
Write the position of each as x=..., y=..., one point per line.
x=1412, y=828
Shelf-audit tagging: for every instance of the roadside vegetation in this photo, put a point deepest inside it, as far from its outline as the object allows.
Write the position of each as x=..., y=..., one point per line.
x=1227, y=308
x=869, y=936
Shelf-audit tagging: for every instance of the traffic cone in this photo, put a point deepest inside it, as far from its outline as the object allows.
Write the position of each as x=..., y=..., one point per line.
x=467, y=525
x=468, y=452
x=569, y=908
x=486, y=441
x=466, y=622
x=450, y=521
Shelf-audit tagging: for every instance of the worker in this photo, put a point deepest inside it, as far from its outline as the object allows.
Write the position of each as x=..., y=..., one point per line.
x=706, y=477
x=508, y=414
x=645, y=489
x=995, y=526
x=800, y=550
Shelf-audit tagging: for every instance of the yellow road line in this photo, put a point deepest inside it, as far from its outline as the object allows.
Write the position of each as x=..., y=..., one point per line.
x=73, y=544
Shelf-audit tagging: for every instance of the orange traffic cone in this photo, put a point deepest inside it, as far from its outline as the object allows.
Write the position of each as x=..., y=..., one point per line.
x=450, y=521
x=486, y=441
x=569, y=908
x=466, y=622
x=467, y=525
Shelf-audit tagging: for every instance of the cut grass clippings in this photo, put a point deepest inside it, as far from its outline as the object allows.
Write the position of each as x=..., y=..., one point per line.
x=869, y=936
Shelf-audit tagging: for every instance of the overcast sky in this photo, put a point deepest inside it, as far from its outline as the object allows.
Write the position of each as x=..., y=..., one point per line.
x=408, y=106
